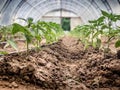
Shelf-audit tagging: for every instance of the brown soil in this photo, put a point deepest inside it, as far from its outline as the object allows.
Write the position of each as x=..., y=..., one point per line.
x=60, y=66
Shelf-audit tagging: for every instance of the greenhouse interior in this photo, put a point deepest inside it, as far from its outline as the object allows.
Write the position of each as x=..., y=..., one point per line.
x=59, y=44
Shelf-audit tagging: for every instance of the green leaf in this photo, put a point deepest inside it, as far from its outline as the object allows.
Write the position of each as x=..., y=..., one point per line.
x=13, y=44
x=38, y=37
x=3, y=52
x=118, y=17
x=117, y=44
x=104, y=26
x=28, y=38
x=104, y=13
x=17, y=28
x=30, y=20
x=86, y=44
x=92, y=21
x=100, y=20
x=94, y=44
x=87, y=34
x=96, y=34
x=98, y=42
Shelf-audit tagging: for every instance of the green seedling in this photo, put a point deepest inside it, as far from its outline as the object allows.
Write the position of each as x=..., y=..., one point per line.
x=111, y=32
x=27, y=34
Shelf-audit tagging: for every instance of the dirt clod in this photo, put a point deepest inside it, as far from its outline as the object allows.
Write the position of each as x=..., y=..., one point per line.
x=63, y=65
x=118, y=54
x=13, y=85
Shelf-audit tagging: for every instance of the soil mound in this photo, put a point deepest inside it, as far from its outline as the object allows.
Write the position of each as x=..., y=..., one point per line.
x=63, y=65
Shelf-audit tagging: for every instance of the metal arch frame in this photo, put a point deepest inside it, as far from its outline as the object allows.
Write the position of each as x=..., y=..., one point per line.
x=24, y=6
x=6, y=17
x=98, y=6
x=109, y=6
x=78, y=2
x=53, y=9
x=74, y=1
x=46, y=0
x=95, y=5
x=17, y=8
x=86, y=8
x=45, y=5
x=105, y=2
x=5, y=6
x=38, y=4
x=118, y=1
x=91, y=6
x=68, y=9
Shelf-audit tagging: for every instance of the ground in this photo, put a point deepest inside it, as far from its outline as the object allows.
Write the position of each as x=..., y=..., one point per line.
x=63, y=65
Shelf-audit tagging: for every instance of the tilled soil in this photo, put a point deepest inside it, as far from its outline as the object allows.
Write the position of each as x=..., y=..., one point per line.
x=63, y=65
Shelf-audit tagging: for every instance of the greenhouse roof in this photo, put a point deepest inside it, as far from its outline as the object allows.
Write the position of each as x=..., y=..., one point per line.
x=10, y=10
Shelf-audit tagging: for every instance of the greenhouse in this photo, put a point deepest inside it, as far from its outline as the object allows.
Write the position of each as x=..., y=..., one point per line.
x=59, y=44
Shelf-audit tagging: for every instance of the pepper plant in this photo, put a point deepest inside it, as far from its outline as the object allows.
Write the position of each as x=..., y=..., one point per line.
x=5, y=33
x=49, y=32
x=7, y=38
x=34, y=29
x=57, y=29
x=96, y=31
x=37, y=33
x=109, y=30
x=27, y=34
x=83, y=33
x=117, y=43
x=103, y=26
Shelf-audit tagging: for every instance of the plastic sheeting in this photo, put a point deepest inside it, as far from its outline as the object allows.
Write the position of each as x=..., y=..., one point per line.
x=10, y=10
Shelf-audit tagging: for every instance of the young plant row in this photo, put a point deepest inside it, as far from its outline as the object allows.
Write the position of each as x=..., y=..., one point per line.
x=33, y=33
x=104, y=26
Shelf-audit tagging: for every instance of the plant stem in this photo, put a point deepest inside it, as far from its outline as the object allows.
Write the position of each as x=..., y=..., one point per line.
x=27, y=47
